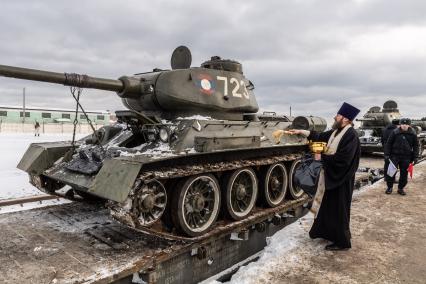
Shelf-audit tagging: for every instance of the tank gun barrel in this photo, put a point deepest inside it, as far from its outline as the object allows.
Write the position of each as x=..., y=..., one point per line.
x=67, y=79
x=419, y=122
x=366, y=119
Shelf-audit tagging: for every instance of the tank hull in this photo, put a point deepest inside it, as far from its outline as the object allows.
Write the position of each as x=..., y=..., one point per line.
x=201, y=148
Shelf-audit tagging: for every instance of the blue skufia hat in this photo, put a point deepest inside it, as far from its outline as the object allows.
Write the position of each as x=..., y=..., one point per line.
x=348, y=111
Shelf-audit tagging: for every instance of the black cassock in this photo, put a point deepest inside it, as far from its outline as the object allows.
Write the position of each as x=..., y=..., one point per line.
x=332, y=222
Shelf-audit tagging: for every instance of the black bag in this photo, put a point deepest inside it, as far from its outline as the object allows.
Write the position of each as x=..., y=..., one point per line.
x=307, y=175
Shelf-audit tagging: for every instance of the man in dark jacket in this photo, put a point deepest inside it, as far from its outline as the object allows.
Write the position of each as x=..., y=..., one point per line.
x=385, y=136
x=388, y=130
x=339, y=165
x=402, y=148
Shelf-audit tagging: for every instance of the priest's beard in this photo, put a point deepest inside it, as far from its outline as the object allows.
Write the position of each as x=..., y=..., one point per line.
x=338, y=124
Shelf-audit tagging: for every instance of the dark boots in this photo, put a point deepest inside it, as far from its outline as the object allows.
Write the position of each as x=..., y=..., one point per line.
x=335, y=247
x=400, y=191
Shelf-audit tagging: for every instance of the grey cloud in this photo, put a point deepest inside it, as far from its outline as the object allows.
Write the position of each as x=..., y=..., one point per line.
x=307, y=54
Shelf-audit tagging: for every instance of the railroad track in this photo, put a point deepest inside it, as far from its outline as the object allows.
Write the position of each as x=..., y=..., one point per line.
x=28, y=199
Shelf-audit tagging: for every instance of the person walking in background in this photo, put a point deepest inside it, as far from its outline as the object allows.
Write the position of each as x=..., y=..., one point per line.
x=37, y=129
x=402, y=148
x=336, y=183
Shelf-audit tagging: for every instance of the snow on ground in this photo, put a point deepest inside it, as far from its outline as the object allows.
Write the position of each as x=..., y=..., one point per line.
x=14, y=182
x=283, y=249
x=291, y=247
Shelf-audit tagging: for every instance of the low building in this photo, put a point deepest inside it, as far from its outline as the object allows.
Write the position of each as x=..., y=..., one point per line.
x=12, y=119
x=50, y=115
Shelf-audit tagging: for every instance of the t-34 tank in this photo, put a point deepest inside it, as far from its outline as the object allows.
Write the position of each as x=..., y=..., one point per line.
x=374, y=122
x=188, y=147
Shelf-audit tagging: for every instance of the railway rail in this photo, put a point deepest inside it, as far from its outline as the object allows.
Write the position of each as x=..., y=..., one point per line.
x=28, y=199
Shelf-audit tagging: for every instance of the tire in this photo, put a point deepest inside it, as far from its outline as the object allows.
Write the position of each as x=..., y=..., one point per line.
x=240, y=201
x=294, y=191
x=45, y=184
x=149, y=203
x=274, y=184
x=194, y=199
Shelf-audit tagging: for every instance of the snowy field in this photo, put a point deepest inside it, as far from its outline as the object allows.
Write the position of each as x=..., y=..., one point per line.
x=14, y=182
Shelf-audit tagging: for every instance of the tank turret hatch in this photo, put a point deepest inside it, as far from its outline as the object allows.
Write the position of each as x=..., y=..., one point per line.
x=223, y=64
x=181, y=58
x=390, y=106
x=374, y=109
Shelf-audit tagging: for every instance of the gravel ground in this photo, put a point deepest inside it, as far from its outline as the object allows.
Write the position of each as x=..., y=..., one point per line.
x=388, y=244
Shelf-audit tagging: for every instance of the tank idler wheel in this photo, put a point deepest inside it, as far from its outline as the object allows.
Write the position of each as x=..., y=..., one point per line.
x=274, y=184
x=295, y=192
x=149, y=202
x=45, y=184
x=240, y=193
x=196, y=205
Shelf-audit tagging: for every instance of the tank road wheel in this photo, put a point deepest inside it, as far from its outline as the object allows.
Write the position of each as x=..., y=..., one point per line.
x=149, y=203
x=295, y=191
x=45, y=184
x=274, y=184
x=241, y=193
x=196, y=205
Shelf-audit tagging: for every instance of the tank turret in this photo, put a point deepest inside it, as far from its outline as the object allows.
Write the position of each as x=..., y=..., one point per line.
x=373, y=123
x=217, y=89
x=376, y=118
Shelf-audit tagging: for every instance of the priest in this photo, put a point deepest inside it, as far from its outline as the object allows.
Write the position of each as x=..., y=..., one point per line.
x=332, y=201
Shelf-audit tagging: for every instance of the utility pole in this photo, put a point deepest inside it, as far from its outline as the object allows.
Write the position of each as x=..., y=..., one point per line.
x=290, y=111
x=23, y=101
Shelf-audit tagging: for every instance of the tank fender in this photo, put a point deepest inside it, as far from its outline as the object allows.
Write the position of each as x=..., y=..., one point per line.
x=115, y=179
x=41, y=156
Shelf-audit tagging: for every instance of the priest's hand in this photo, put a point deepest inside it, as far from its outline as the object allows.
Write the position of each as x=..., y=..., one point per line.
x=294, y=131
x=317, y=157
x=298, y=132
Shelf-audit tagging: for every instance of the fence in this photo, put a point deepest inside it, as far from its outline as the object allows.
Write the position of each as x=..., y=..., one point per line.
x=47, y=127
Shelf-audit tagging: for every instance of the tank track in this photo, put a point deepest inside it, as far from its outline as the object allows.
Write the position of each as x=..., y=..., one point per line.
x=258, y=215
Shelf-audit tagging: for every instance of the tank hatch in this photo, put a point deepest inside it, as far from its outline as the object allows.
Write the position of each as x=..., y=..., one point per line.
x=223, y=64
x=390, y=106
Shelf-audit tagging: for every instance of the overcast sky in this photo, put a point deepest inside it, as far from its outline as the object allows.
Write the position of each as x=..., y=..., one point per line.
x=310, y=55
